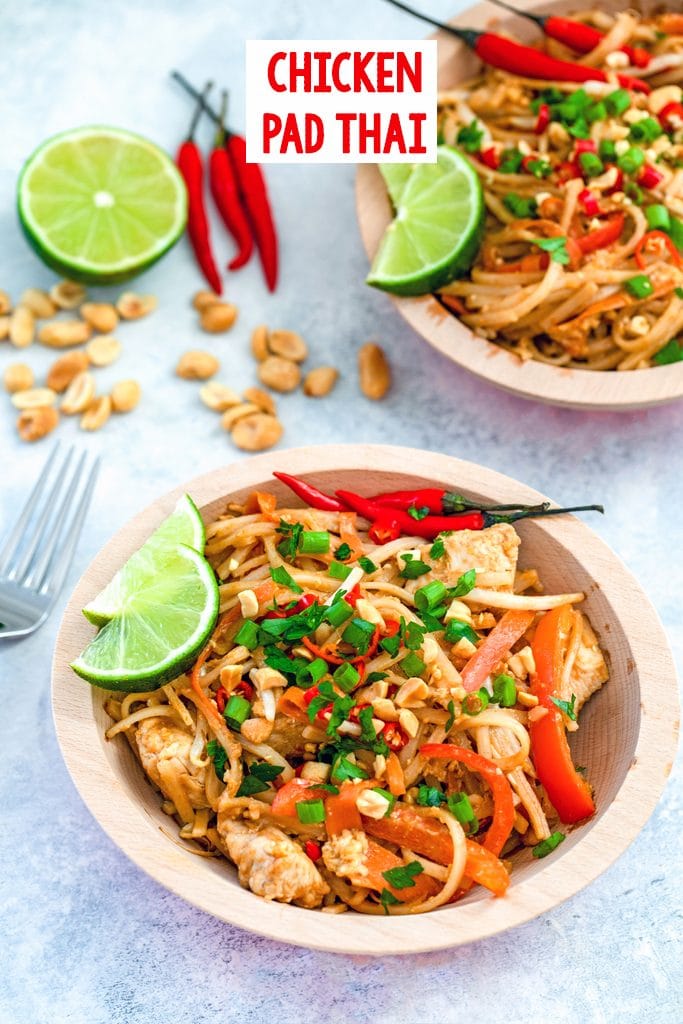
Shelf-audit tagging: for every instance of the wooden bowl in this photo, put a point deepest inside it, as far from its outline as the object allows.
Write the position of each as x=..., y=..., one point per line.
x=579, y=389
x=626, y=739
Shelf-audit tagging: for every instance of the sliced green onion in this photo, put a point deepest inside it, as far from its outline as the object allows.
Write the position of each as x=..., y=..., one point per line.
x=247, y=635
x=475, y=703
x=314, y=542
x=607, y=151
x=658, y=217
x=338, y=571
x=316, y=669
x=281, y=576
x=671, y=353
x=547, y=846
x=522, y=208
x=646, y=130
x=346, y=677
x=389, y=797
x=591, y=165
x=676, y=232
x=639, y=286
x=504, y=691
x=457, y=629
x=358, y=633
x=429, y=596
x=310, y=812
x=236, y=711
x=367, y=565
x=618, y=102
x=510, y=161
x=460, y=807
x=596, y=112
x=438, y=549
x=338, y=612
x=631, y=161
x=412, y=665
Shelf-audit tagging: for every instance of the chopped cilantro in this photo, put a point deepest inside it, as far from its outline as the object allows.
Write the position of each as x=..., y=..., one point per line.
x=430, y=796
x=437, y=549
x=557, y=247
x=366, y=564
x=672, y=351
x=451, y=716
x=343, y=552
x=567, y=706
x=403, y=876
x=292, y=537
x=367, y=734
x=281, y=576
x=466, y=582
x=218, y=755
x=418, y=513
x=470, y=137
x=387, y=899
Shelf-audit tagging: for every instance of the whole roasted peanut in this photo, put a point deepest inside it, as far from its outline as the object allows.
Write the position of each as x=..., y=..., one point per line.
x=259, y=343
x=100, y=315
x=36, y=423
x=237, y=412
x=262, y=399
x=22, y=327
x=79, y=394
x=64, y=369
x=197, y=365
x=39, y=302
x=67, y=294
x=103, y=350
x=4, y=327
x=18, y=377
x=64, y=333
x=5, y=303
x=132, y=307
x=97, y=413
x=204, y=298
x=218, y=317
x=374, y=372
x=218, y=397
x=125, y=395
x=33, y=398
x=320, y=381
x=288, y=344
x=255, y=433
x=279, y=374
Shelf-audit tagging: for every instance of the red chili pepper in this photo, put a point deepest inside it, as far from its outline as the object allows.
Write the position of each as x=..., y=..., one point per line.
x=603, y=236
x=312, y=850
x=667, y=112
x=285, y=613
x=589, y=202
x=394, y=736
x=246, y=689
x=254, y=193
x=384, y=529
x=226, y=194
x=618, y=185
x=650, y=177
x=221, y=698
x=584, y=146
x=566, y=170
x=352, y=596
x=443, y=502
x=647, y=243
x=191, y=167
x=639, y=57
x=310, y=494
x=490, y=158
x=543, y=119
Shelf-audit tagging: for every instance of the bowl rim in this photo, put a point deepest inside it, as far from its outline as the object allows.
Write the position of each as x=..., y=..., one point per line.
x=120, y=815
x=533, y=380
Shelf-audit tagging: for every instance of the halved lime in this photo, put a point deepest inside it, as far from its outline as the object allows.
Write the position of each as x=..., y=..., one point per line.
x=437, y=230
x=100, y=205
x=183, y=526
x=167, y=618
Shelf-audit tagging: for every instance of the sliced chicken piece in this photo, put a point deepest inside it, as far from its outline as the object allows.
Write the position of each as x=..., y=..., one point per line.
x=165, y=754
x=345, y=855
x=271, y=864
x=286, y=736
x=589, y=671
x=492, y=552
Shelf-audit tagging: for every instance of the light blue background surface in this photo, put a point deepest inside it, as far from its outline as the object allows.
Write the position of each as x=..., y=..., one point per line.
x=85, y=935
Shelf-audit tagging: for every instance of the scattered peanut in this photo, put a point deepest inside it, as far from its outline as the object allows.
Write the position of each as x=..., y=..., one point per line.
x=5, y=303
x=18, y=377
x=125, y=395
x=218, y=397
x=64, y=333
x=288, y=344
x=4, y=327
x=320, y=381
x=39, y=302
x=256, y=730
x=218, y=317
x=79, y=394
x=67, y=294
x=103, y=350
x=238, y=412
x=64, y=369
x=279, y=374
x=97, y=413
x=374, y=372
x=204, y=298
x=197, y=365
x=36, y=423
x=259, y=343
x=100, y=315
x=33, y=398
x=22, y=327
x=132, y=307
x=255, y=433
x=262, y=399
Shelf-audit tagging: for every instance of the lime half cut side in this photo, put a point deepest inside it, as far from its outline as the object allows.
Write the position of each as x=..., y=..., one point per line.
x=437, y=230
x=100, y=204
x=161, y=630
x=183, y=526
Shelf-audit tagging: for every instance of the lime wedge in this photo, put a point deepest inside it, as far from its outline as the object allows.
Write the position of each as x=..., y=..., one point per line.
x=183, y=526
x=100, y=205
x=167, y=618
x=436, y=233
x=396, y=178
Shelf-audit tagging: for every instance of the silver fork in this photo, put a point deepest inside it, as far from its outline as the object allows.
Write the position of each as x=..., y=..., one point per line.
x=37, y=554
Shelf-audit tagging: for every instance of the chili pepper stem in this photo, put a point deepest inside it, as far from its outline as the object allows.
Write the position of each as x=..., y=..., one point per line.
x=219, y=140
x=201, y=99
x=537, y=18
x=198, y=111
x=492, y=518
x=467, y=35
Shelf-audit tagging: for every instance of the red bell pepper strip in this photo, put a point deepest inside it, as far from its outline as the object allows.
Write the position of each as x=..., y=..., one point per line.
x=501, y=791
x=497, y=644
x=226, y=194
x=655, y=238
x=568, y=792
x=602, y=237
x=650, y=177
x=191, y=167
x=310, y=494
x=589, y=202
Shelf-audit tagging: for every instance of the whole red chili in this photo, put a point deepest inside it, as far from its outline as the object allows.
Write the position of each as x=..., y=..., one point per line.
x=190, y=165
x=226, y=194
x=310, y=494
x=254, y=193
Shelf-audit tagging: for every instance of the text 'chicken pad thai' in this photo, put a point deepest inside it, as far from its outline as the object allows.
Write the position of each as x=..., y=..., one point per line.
x=378, y=720
x=582, y=259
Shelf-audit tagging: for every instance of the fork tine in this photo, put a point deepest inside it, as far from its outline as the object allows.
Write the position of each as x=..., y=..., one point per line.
x=61, y=479
x=54, y=580
x=29, y=508
x=50, y=539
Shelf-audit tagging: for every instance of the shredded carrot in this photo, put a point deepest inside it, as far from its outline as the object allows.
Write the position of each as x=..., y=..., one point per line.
x=672, y=24
x=378, y=860
x=453, y=303
x=340, y=809
x=293, y=704
x=497, y=644
x=395, y=777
